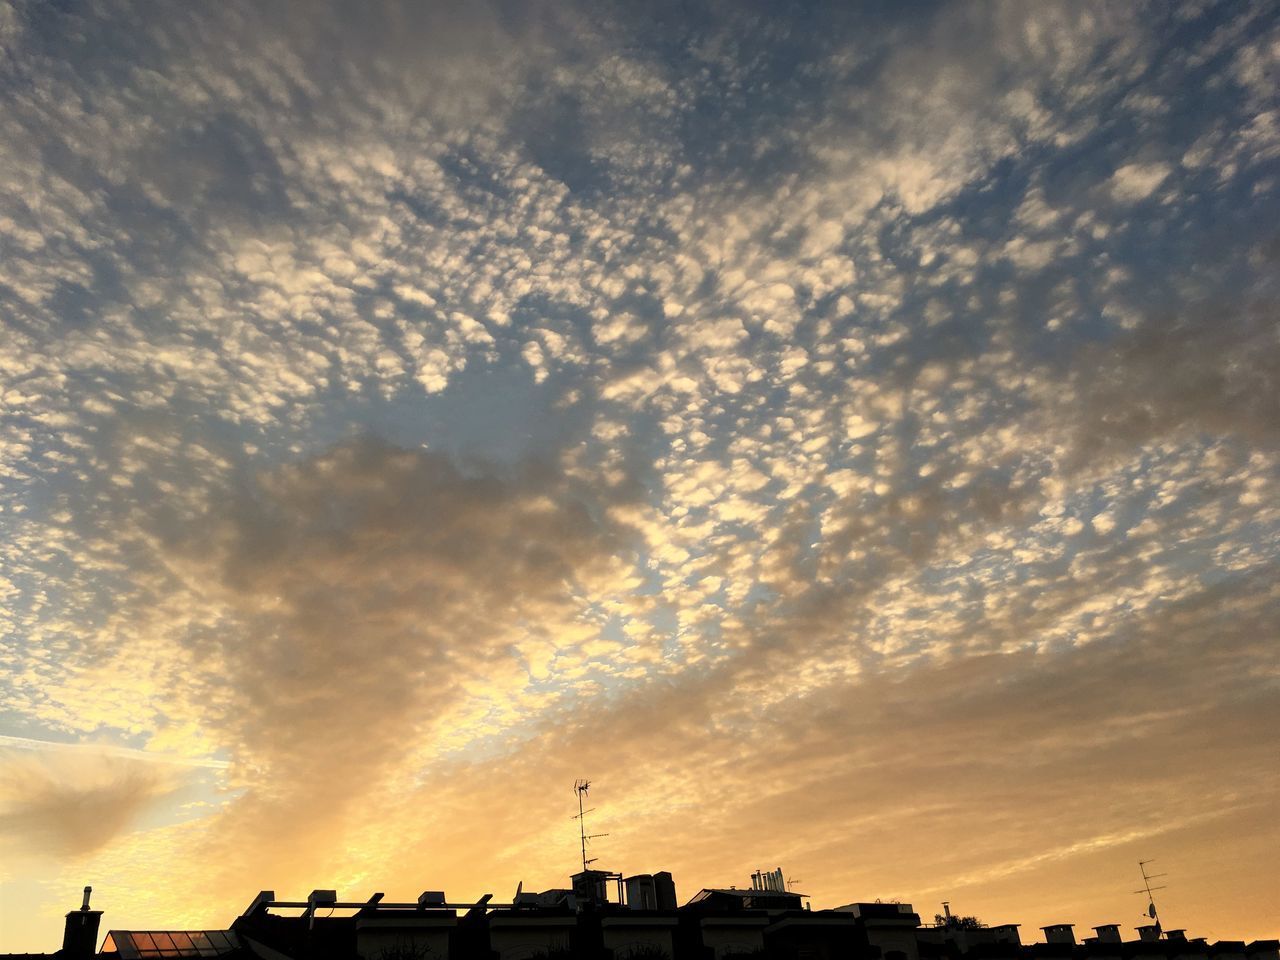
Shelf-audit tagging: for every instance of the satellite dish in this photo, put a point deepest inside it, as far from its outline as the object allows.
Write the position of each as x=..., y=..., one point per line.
x=519, y=890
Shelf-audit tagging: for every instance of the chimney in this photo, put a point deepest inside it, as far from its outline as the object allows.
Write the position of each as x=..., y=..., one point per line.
x=1108, y=933
x=1176, y=936
x=80, y=936
x=1149, y=933
x=665, y=888
x=1059, y=933
x=1007, y=933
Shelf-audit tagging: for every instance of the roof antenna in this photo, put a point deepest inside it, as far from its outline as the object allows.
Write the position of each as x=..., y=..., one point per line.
x=1147, y=888
x=580, y=787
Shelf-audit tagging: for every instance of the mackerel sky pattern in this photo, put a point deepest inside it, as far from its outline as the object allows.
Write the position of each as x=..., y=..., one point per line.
x=846, y=433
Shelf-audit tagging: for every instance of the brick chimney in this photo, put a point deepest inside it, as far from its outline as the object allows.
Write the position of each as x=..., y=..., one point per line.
x=80, y=936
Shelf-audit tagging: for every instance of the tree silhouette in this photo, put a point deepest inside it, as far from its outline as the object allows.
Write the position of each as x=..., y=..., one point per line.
x=958, y=923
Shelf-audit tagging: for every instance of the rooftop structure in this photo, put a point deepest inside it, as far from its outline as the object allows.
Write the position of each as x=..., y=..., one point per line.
x=603, y=916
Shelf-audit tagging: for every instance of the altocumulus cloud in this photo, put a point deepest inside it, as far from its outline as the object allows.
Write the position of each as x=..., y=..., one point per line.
x=841, y=432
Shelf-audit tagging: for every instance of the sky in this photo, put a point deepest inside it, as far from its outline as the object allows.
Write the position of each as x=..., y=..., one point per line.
x=846, y=434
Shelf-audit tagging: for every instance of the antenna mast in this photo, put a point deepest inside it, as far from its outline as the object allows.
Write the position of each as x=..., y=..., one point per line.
x=580, y=787
x=1147, y=888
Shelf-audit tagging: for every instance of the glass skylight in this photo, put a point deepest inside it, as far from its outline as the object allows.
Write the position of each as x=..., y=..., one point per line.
x=149, y=944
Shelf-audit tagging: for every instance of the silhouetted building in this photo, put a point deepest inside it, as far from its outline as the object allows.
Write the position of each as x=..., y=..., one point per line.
x=605, y=917
x=723, y=900
x=651, y=891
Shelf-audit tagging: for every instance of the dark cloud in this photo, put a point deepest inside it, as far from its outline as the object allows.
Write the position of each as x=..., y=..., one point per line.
x=365, y=590
x=1212, y=370
x=63, y=806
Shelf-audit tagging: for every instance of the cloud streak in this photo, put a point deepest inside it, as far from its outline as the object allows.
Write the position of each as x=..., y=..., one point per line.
x=51, y=805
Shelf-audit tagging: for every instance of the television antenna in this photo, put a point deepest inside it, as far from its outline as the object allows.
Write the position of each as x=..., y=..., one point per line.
x=580, y=787
x=1147, y=888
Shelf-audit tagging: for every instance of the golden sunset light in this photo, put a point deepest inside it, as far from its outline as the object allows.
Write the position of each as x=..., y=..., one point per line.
x=844, y=434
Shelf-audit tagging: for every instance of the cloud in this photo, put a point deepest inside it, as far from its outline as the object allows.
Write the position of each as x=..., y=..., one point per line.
x=1136, y=181
x=978, y=760
x=799, y=414
x=62, y=805
x=361, y=602
x=1211, y=368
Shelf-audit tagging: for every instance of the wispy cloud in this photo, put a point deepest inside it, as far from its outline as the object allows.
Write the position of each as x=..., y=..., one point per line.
x=105, y=750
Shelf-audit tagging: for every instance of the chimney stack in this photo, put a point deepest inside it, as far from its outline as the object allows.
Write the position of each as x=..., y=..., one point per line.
x=80, y=936
x=1059, y=933
x=665, y=889
x=1149, y=933
x=1007, y=933
x=1108, y=933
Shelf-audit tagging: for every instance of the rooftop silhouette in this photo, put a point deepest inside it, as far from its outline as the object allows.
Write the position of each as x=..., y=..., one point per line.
x=603, y=915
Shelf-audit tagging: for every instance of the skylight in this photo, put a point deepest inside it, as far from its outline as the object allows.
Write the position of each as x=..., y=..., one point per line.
x=139, y=944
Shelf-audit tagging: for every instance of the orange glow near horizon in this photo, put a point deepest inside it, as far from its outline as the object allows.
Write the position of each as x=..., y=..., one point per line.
x=847, y=434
